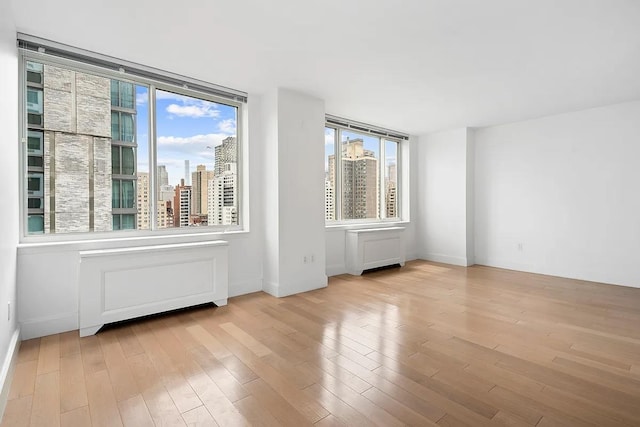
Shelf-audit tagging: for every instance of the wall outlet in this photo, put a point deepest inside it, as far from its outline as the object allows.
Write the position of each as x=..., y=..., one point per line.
x=313, y=258
x=305, y=260
x=9, y=310
x=520, y=247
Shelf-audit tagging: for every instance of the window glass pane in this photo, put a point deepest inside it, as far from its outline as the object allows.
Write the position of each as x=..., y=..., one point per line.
x=391, y=179
x=128, y=194
x=127, y=97
x=115, y=159
x=115, y=125
x=34, y=101
x=34, y=142
x=35, y=224
x=128, y=222
x=126, y=127
x=360, y=156
x=35, y=184
x=115, y=93
x=35, y=161
x=34, y=72
x=35, y=203
x=116, y=222
x=128, y=161
x=197, y=162
x=329, y=174
x=115, y=193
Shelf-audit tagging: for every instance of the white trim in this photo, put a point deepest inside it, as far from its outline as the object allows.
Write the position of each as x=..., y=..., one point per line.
x=246, y=287
x=43, y=326
x=336, y=269
x=6, y=375
x=274, y=288
x=446, y=259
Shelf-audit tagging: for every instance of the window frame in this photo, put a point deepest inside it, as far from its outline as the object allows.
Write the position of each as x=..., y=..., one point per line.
x=152, y=85
x=383, y=135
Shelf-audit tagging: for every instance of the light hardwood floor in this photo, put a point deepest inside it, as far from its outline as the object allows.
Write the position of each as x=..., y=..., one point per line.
x=423, y=345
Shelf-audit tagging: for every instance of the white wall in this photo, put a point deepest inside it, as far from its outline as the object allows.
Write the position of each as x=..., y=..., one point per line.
x=336, y=236
x=294, y=214
x=560, y=195
x=9, y=177
x=444, y=194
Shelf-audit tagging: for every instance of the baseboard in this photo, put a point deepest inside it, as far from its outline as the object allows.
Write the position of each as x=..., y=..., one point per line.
x=6, y=375
x=246, y=287
x=43, y=326
x=446, y=259
x=271, y=288
x=528, y=268
x=277, y=290
x=336, y=269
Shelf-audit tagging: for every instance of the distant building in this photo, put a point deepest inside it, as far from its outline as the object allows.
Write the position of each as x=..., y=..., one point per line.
x=164, y=206
x=222, y=190
x=182, y=205
x=223, y=197
x=199, y=190
x=359, y=181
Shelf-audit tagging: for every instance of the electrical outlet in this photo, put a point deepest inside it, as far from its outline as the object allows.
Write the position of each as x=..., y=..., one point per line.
x=305, y=259
x=520, y=247
x=9, y=310
x=313, y=258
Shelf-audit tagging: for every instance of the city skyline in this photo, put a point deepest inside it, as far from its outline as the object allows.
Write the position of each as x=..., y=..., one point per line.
x=187, y=129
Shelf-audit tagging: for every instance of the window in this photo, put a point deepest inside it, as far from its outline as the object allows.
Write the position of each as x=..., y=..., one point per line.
x=93, y=163
x=361, y=172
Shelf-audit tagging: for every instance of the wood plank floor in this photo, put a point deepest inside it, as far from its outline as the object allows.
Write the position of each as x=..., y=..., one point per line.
x=427, y=344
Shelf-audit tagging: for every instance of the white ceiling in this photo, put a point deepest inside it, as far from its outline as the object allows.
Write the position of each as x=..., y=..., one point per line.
x=411, y=65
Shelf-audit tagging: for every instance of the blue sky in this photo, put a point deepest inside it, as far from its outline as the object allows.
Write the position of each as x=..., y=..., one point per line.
x=186, y=129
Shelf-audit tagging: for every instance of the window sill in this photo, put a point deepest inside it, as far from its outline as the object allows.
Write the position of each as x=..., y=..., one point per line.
x=343, y=226
x=121, y=240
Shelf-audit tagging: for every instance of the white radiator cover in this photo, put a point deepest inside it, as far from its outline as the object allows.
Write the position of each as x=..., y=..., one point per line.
x=374, y=247
x=124, y=283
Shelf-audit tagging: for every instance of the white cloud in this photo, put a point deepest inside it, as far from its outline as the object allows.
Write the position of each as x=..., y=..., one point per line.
x=227, y=126
x=196, y=145
x=201, y=109
x=142, y=98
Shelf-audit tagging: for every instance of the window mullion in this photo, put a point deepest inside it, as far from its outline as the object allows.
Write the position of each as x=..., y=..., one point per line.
x=382, y=205
x=337, y=149
x=154, y=186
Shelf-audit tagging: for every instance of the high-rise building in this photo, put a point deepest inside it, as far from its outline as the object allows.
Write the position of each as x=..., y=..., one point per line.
x=223, y=197
x=69, y=114
x=187, y=177
x=163, y=207
x=225, y=153
x=199, y=190
x=391, y=201
x=359, y=181
x=222, y=189
x=182, y=205
x=329, y=201
x=163, y=175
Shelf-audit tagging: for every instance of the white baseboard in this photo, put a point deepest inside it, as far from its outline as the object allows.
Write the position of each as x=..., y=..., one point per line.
x=6, y=375
x=43, y=326
x=277, y=291
x=336, y=269
x=446, y=259
x=246, y=287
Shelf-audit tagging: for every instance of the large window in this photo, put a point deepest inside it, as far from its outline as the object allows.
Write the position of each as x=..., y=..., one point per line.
x=361, y=173
x=106, y=150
